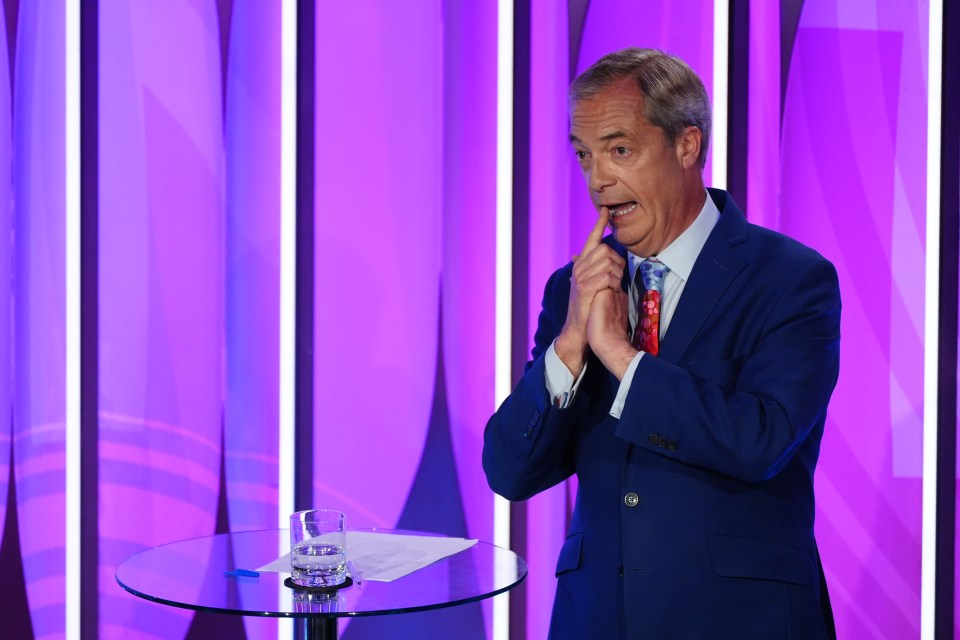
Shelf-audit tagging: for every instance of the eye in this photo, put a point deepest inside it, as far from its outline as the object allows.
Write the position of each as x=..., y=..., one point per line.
x=621, y=150
x=581, y=155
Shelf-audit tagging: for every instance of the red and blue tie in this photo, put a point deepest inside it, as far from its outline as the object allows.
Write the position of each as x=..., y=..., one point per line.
x=646, y=335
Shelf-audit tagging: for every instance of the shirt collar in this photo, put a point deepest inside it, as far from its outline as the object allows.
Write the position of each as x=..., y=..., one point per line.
x=681, y=254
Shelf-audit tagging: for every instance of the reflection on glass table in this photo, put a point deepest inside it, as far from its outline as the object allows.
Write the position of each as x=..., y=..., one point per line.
x=178, y=574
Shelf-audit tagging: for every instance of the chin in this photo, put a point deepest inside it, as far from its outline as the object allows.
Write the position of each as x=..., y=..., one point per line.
x=624, y=237
x=632, y=239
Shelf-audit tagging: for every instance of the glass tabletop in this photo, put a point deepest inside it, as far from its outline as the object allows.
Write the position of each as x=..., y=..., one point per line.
x=190, y=574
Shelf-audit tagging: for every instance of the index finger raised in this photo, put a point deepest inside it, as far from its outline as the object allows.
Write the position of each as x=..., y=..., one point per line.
x=596, y=234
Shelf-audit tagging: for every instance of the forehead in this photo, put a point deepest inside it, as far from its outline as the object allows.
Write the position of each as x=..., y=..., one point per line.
x=617, y=108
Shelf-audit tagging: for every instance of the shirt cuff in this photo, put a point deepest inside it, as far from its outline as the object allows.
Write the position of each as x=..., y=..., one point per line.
x=560, y=383
x=625, y=383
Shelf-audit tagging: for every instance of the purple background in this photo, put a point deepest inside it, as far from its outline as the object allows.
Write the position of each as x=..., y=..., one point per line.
x=404, y=244
x=852, y=184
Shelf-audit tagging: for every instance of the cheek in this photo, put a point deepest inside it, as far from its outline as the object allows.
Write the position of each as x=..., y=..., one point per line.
x=639, y=174
x=642, y=186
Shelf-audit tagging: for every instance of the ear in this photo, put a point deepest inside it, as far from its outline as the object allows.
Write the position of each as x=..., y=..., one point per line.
x=688, y=147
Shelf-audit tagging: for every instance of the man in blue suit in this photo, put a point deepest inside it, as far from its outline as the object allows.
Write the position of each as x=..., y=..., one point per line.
x=689, y=400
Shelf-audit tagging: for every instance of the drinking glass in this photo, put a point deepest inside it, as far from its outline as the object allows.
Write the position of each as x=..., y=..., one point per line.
x=318, y=548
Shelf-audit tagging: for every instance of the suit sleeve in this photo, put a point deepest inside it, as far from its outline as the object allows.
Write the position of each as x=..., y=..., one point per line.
x=528, y=444
x=746, y=416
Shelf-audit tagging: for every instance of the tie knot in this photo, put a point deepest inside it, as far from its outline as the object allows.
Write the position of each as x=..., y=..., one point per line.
x=652, y=272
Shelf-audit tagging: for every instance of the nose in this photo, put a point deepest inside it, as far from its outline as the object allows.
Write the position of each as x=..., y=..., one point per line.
x=599, y=176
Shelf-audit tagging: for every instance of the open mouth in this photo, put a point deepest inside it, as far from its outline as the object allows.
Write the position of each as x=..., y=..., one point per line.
x=621, y=209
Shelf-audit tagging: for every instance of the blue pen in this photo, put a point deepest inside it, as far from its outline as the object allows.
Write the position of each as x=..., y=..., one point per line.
x=242, y=573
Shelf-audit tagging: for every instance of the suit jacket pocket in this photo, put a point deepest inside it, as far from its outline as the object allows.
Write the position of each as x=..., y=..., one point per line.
x=758, y=558
x=570, y=553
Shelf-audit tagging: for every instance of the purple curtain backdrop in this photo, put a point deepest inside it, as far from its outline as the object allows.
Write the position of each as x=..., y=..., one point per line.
x=763, y=139
x=404, y=282
x=39, y=405
x=252, y=145
x=377, y=251
x=253, y=271
x=956, y=525
x=161, y=291
x=189, y=285
x=853, y=186
x=467, y=278
x=468, y=230
x=6, y=274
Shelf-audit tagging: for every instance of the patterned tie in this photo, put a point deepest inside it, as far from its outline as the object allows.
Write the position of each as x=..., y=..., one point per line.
x=646, y=336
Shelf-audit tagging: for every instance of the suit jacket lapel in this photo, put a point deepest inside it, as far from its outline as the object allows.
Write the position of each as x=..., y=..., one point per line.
x=715, y=268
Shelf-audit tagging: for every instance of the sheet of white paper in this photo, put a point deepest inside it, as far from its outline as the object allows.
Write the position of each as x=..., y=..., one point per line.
x=384, y=557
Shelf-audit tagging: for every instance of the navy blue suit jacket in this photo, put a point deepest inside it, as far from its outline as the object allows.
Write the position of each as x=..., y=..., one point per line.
x=695, y=509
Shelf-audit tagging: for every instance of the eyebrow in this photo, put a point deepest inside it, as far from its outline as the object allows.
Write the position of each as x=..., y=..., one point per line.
x=605, y=138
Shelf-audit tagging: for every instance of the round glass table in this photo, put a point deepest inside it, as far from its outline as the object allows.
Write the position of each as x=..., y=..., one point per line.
x=191, y=574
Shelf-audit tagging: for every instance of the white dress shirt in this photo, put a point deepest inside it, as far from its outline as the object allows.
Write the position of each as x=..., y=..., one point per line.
x=679, y=257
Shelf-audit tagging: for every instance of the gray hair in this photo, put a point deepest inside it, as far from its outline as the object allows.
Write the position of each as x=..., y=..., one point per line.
x=674, y=97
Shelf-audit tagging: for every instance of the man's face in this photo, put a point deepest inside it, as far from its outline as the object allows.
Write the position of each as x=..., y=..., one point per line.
x=631, y=169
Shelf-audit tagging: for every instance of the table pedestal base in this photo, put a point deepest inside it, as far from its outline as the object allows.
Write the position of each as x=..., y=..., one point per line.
x=316, y=628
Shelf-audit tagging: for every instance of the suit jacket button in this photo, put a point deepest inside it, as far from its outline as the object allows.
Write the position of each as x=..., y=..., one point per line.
x=631, y=499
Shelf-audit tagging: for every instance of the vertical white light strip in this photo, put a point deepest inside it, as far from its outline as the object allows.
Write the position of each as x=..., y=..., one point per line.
x=72, y=264
x=288, y=253
x=931, y=343
x=721, y=61
x=504, y=275
x=288, y=276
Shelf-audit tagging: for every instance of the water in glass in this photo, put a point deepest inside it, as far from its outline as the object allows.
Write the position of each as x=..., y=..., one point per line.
x=318, y=563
